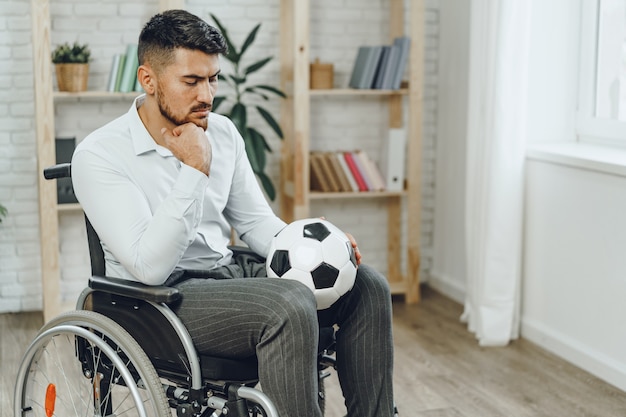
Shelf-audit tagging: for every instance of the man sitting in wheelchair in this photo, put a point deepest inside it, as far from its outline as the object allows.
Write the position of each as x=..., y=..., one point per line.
x=162, y=186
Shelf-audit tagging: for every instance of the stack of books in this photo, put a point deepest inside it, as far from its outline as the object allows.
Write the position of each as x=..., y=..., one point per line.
x=123, y=74
x=380, y=67
x=344, y=172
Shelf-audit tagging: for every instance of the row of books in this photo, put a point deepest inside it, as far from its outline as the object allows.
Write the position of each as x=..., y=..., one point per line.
x=356, y=172
x=380, y=67
x=344, y=172
x=123, y=74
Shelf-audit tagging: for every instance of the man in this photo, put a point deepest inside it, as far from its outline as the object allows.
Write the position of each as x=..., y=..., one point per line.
x=162, y=186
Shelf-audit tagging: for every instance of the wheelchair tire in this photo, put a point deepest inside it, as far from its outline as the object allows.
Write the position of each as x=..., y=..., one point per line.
x=84, y=364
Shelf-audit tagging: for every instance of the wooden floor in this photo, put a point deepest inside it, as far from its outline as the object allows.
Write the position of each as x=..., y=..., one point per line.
x=440, y=371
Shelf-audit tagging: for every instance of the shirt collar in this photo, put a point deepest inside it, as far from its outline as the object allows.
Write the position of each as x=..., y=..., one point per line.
x=142, y=141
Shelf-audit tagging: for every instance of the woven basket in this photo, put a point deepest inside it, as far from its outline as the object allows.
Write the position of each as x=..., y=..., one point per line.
x=321, y=75
x=72, y=77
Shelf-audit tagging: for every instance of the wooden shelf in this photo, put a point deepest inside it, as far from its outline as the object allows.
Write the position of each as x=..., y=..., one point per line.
x=70, y=207
x=295, y=195
x=94, y=95
x=358, y=92
x=317, y=195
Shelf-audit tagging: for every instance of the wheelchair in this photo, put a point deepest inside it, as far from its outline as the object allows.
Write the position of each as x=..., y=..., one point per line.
x=123, y=352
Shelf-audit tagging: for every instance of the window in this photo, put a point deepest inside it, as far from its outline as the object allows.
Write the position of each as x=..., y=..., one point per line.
x=602, y=94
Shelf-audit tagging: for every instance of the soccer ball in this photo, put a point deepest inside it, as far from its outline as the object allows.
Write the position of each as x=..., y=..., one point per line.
x=316, y=253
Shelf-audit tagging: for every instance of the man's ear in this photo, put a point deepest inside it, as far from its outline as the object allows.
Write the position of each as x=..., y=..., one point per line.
x=145, y=76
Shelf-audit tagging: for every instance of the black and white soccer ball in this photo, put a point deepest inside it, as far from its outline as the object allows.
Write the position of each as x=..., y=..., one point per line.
x=316, y=253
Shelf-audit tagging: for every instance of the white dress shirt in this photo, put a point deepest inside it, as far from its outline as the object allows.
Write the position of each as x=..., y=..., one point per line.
x=155, y=214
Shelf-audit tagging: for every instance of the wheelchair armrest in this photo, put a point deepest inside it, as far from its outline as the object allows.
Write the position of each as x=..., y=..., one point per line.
x=154, y=293
x=58, y=171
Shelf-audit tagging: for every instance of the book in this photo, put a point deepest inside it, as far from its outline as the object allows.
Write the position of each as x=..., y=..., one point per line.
x=392, y=62
x=344, y=184
x=372, y=172
x=365, y=67
x=129, y=74
x=120, y=70
x=115, y=65
x=329, y=172
x=361, y=167
x=382, y=67
x=344, y=166
x=318, y=180
x=403, y=44
x=355, y=171
x=393, y=159
x=359, y=67
x=380, y=181
x=371, y=63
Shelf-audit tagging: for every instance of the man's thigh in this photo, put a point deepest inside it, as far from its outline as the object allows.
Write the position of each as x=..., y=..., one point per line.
x=229, y=317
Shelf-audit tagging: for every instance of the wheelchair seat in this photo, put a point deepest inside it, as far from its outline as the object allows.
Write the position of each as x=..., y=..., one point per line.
x=128, y=303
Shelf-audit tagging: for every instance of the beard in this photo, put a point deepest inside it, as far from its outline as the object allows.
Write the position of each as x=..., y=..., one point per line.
x=168, y=113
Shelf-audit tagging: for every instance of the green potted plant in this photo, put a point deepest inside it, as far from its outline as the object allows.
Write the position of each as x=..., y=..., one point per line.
x=242, y=90
x=71, y=63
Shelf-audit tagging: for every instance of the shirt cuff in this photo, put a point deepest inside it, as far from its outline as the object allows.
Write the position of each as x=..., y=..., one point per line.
x=191, y=182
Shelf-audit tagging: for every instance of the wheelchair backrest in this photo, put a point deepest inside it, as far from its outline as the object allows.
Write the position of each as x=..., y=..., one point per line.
x=96, y=254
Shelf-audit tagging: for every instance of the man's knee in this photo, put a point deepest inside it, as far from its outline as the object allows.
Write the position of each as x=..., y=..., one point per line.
x=295, y=304
x=371, y=282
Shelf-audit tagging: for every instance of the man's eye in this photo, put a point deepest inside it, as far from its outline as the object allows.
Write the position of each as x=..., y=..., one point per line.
x=191, y=82
x=213, y=79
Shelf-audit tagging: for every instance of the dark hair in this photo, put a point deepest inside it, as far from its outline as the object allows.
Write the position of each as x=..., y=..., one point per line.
x=172, y=29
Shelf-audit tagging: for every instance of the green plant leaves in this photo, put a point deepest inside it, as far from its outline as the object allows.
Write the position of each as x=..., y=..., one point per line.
x=232, y=55
x=74, y=54
x=256, y=145
x=217, y=101
x=271, y=89
x=267, y=185
x=239, y=116
x=257, y=66
x=249, y=39
x=270, y=121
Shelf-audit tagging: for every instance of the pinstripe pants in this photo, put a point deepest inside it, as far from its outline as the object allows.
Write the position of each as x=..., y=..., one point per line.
x=277, y=320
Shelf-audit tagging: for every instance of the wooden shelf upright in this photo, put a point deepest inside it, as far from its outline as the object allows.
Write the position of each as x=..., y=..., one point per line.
x=295, y=196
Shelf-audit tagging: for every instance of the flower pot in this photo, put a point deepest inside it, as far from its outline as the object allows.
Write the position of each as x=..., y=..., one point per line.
x=72, y=77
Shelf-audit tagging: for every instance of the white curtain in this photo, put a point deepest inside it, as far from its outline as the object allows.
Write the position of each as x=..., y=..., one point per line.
x=499, y=39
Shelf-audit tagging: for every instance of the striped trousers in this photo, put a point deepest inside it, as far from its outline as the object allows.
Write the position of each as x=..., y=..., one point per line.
x=276, y=319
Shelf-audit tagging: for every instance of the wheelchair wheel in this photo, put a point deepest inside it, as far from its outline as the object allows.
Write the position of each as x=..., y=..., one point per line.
x=321, y=394
x=84, y=364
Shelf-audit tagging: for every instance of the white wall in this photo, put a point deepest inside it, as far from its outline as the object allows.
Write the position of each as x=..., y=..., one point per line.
x=574, y=286
x=448, y=268
x=337, y=29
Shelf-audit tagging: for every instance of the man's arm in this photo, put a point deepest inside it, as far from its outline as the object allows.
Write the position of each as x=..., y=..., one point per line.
x=147, y=244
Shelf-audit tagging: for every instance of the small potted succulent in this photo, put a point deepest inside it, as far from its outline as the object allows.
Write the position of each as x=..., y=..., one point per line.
x=72, y=66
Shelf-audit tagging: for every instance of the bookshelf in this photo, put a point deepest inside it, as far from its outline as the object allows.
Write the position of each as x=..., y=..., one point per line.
x=295, y=195
x=45, y=98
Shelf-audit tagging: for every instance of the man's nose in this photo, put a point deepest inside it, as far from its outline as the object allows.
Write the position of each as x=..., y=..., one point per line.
x=206, y=92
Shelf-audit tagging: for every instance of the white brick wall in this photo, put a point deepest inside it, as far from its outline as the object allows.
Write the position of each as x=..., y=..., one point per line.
x=338, y=27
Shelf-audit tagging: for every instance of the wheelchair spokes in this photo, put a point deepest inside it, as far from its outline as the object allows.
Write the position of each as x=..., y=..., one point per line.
x=88, y=375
